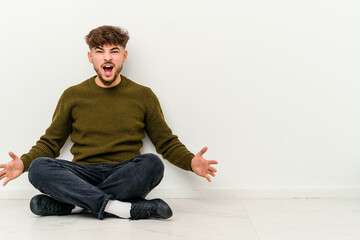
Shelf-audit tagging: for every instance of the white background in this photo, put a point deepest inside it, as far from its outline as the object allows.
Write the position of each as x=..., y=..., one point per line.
x=271, y=87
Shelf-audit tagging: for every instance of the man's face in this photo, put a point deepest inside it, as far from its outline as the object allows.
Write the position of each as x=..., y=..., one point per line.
x=108, y=61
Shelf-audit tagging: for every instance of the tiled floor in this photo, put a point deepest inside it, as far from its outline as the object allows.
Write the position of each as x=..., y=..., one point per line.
x=261, y=219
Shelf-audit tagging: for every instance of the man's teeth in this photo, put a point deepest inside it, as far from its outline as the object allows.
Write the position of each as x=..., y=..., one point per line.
x=108, y=67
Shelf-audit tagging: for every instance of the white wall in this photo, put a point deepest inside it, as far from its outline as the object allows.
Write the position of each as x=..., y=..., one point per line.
x=271, y=87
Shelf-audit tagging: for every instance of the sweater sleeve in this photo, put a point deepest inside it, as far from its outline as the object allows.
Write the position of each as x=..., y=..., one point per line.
x=165, y=142
x=55, y=136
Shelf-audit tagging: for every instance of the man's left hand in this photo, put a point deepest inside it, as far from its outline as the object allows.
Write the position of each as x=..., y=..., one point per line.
x=202, y=167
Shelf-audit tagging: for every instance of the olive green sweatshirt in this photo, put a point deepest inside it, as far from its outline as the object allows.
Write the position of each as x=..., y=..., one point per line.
x=107, y=125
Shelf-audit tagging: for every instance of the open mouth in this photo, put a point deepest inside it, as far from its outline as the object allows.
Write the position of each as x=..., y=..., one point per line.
x=108, y=69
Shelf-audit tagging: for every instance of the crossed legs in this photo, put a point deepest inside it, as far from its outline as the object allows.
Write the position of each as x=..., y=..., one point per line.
x=92, y=186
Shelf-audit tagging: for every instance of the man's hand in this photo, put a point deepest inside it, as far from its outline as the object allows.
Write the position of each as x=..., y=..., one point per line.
x=202, y=167
x=12, y=169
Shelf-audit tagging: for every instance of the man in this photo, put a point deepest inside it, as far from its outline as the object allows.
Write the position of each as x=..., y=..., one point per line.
x=107, y=117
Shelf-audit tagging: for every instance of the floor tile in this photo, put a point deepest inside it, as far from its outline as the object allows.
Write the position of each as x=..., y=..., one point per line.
x=193, y=219
x=305, y=218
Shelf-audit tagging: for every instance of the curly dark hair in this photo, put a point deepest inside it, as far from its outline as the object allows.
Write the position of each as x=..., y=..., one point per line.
x=103, y=35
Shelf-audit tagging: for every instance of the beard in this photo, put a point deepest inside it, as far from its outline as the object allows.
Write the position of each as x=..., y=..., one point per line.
x=108, y=82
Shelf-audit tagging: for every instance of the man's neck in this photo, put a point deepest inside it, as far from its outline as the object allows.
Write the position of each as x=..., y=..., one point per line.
x=113, y=84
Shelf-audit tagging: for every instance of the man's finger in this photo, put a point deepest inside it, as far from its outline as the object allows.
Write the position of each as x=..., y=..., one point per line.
x=213, y=162
x=203, y=151
x=208, y=178
x=2, y=177
x=212, y=169
x=6, y=181
x=12, y=155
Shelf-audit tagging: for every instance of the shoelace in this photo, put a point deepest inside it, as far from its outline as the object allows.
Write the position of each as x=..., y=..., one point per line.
x=144, y=210
x=52, y=207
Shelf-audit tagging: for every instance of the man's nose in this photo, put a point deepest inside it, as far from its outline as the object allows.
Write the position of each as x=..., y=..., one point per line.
x=107, y=56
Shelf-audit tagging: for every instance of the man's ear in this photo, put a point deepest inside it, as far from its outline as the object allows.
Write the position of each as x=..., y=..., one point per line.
x=90, y=57
x=125, y=56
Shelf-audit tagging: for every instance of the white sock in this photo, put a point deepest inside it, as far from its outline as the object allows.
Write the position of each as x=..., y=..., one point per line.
x=118, y=208
x=77, y=209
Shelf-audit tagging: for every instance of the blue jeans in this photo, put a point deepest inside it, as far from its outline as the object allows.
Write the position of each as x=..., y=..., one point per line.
x=92, y=186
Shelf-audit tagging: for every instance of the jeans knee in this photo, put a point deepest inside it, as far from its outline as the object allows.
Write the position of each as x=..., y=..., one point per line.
x=36, y=168
x=154, y=162
x=154, y=165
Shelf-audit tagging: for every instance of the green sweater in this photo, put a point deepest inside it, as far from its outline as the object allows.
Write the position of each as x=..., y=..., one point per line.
x=107, y=125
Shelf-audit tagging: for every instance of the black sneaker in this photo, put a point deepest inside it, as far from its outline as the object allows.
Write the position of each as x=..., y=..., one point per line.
x=44, y=205
x=145, y=209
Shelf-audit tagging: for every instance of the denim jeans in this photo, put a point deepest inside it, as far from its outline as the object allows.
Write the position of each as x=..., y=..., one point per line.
x=92, y=186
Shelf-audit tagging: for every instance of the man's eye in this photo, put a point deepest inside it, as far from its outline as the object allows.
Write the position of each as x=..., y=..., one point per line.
x=115, y=52
x=98, y=51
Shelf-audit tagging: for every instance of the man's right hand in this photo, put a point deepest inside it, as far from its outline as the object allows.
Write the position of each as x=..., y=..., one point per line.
x=12, y=169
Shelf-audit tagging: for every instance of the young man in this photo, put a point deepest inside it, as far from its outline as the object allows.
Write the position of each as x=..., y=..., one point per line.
x=107, y=117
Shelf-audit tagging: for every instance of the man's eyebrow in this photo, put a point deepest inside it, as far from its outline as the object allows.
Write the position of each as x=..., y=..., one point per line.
x=114, y=48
